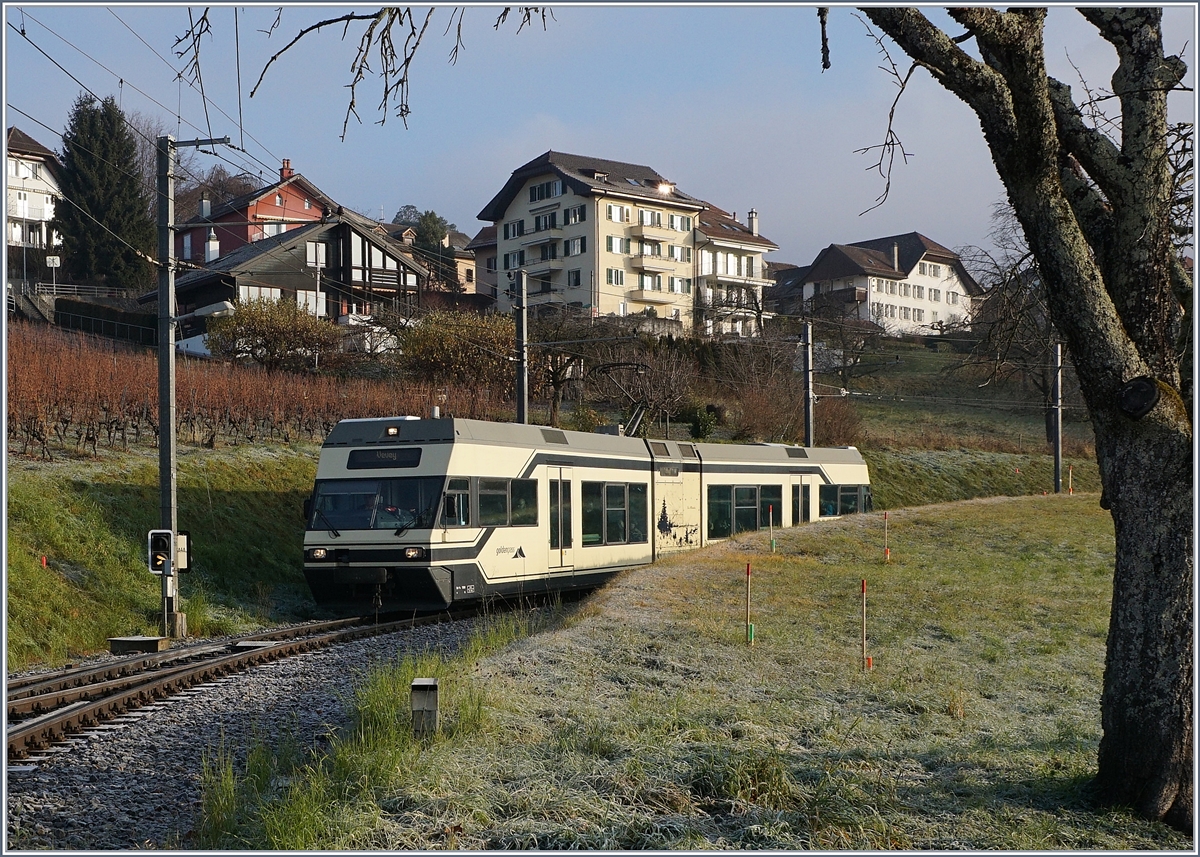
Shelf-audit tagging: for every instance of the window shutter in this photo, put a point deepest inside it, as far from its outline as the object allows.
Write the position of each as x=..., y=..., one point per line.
x=583, y=244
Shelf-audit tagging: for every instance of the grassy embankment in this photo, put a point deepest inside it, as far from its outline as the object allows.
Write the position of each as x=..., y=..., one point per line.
x=637, y=720
x=89, y=519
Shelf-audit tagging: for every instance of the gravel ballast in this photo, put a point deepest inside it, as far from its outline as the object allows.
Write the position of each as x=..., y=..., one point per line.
x=135, y=782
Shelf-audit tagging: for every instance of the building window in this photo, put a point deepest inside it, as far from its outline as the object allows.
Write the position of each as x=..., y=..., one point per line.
x=922, y=268
x=933, y=316
x=575, y=214
x=653, y=282
x=574, y=246
x=187, y=245
x=574, y=279
x=279, y=199
x=679, y=222
x=906, y=313
x=648, y=217
x=514, y=260
x=542, y=222
x=679, y=254
x=904, y=290
x=935, y=270
x=618, y=213
x=272, y=229
x=490, y=264
x=315, y=253
x=952, y=297
x=617, y=244
x=891, y=287
x=918, y=291
x=545, y=190
x=514, y=229
x=307, y=204
x=681, y=285
x=935, y=295
x=918, y=315
x=470, y=275
x=650, y=248
x=549, y=251
x=615, y=277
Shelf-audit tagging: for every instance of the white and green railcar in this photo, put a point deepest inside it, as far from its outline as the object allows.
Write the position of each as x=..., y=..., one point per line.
x=421, y=514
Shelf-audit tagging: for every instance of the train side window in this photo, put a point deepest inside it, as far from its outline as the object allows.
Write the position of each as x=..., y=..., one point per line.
x=868, y=502
x=795, y=505
x=770, y=505
x=745, y=508
x=493, y=502
x=456, y=510
x=593, y=513
x=615, y=509
x=848, y=500
x=720, y=511
x=637, y=512
x=827, y=503
x=524, y=502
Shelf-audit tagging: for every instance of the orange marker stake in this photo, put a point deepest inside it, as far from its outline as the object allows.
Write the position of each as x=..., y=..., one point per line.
x=887, y=552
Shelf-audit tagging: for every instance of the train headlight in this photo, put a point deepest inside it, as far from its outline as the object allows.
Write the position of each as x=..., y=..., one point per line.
x=318, y=553
x=415, y=553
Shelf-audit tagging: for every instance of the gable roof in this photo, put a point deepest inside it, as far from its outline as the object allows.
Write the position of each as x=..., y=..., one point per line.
x=485, y=237
x=588, y=176
x=18, y=142
x=244, y=260
x=720, y=225
x=875, y=258
x=246, y=199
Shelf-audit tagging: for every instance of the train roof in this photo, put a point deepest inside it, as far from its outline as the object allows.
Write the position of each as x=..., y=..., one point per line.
x=394, y=430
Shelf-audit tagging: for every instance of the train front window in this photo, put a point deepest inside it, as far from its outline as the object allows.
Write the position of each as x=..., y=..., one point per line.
x=382, y=504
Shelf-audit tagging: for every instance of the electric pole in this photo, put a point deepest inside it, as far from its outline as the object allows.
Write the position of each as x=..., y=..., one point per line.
x=522, y=320
x=808, y=385
x=1058, y=418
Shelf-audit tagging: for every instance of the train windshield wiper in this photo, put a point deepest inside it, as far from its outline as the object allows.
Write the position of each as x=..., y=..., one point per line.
x=417, y=519
x=332, y=528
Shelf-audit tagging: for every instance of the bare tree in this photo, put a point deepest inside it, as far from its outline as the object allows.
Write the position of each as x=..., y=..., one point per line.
x=1095, y=206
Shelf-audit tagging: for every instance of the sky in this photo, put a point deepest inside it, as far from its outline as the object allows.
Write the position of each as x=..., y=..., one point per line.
x=728, y=101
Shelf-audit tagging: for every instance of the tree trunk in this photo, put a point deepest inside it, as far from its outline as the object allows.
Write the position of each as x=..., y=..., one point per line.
x=1103, y=249
x=1146, y=711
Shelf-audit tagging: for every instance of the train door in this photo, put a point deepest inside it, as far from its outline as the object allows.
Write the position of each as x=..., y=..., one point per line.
x=561, y=553
x=802, y=499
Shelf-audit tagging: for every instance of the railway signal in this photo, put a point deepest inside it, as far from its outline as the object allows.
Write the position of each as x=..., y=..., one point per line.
x=158, y=544
x=159, y=550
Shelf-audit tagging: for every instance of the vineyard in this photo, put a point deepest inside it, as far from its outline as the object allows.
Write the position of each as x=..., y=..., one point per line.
x=73, y=393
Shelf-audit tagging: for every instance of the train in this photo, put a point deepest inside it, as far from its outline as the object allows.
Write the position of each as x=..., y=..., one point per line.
x=421, y=514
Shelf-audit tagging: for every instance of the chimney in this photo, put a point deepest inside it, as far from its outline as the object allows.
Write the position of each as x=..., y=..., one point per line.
x=753, y=224
x=896, y=255
x=286, y=172
x=212, y=247
x=205, y=205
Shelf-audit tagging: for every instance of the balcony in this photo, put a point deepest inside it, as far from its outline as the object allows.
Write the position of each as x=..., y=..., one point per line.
x=653, y=264
x=737, y=280
x=545, y=236
x=655, y=232
x=653, y=296
x=536, y=267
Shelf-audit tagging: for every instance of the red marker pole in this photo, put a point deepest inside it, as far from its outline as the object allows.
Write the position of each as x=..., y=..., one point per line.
x=887, y=552
x=1070, y=479
x=749, y=624
x=865, y=661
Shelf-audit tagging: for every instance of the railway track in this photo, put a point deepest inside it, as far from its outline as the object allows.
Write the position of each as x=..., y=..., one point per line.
x=48, y=708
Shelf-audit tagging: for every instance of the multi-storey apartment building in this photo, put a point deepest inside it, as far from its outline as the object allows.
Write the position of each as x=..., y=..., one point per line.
x=905, y=283
x=730, y=273
x=615, y=238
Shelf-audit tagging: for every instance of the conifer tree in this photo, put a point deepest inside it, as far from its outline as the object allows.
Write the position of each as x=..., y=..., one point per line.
x=104, y=214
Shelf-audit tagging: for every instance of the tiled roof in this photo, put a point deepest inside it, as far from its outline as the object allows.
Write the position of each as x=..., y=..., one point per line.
x=239, y=202
x=720, y=225
x=874, y=258
x=486, y=237
x=19, y=142
x=589, y=176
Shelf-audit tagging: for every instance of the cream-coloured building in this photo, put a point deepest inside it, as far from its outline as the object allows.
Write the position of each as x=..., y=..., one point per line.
x=615, y=238
x=730, y=274
x=904, y=283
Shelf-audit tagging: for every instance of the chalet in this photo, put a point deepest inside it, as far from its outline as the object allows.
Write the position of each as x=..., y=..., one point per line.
x=343, y=268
